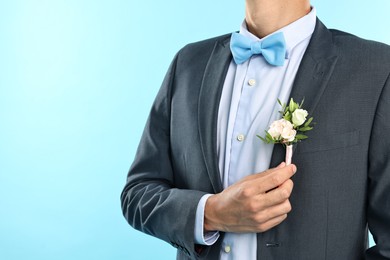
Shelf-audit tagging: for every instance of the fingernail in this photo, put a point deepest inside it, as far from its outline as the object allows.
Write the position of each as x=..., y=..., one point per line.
x=294, y=168
x=281, y=165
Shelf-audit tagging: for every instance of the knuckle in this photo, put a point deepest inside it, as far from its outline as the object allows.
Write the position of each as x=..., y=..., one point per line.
x=290, y=183
x=252, y=206
x=260, y=218
x=276, y=179
x=244, y=192
x=284, y=193
x=262, y=227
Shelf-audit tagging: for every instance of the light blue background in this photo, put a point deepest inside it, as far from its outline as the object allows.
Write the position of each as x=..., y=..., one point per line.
x=77, y=79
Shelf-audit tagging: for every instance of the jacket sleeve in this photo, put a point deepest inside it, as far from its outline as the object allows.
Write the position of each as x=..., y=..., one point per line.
x=150, y=201
x=378, y=211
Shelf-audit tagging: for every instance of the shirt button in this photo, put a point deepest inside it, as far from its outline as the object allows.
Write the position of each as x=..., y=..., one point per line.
x=240, y=137
x=252, y=82
x=227, y=249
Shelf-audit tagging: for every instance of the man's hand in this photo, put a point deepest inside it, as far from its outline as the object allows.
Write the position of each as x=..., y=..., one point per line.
x=254, y=204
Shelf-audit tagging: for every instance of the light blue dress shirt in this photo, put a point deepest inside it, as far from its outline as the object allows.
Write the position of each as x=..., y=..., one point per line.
x=248, y=106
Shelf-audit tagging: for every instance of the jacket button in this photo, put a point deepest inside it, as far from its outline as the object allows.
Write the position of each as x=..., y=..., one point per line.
x=272, y=245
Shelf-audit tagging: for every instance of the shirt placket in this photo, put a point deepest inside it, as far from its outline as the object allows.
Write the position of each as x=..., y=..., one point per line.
x=241, y=127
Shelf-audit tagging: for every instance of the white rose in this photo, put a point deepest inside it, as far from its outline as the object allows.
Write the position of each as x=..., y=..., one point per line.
x=299, y=117
x=276, y=128
x=288, y=134
x=282, y=129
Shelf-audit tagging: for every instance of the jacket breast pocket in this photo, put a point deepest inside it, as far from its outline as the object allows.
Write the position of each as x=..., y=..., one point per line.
x=328, y=142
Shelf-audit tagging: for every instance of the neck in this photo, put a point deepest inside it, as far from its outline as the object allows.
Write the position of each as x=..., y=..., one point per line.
x=264, y=17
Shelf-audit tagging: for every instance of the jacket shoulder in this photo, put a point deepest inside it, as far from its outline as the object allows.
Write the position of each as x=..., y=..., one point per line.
x=359, y=47
x=203, y=48
x=207, y=43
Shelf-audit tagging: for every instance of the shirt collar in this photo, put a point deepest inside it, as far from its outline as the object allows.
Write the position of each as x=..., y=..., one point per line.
x=294, y=33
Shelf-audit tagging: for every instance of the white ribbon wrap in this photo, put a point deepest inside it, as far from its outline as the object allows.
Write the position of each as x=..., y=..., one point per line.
x=289, y=154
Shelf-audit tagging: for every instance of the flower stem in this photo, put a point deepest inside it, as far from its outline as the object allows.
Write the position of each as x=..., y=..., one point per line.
x=289, y=153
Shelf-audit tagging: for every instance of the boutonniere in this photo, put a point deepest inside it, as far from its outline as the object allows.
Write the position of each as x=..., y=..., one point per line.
x=290, y=129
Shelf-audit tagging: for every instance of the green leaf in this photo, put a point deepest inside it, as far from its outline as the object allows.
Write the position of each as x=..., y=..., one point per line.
x=267, y=139
x=287, y=116
x=301, y=137
x=308, y=121
x=302, y=103
x=297, y=106
x=305, y=128
x=284, y=109
x=292, y=105
x=261, y=138
x=268, y=136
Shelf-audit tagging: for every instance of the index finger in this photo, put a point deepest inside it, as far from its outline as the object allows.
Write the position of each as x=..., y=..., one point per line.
x=275, y=178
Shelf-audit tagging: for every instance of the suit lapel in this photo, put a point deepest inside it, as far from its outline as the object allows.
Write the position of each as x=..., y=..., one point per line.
x=312, y=77
x=209, y=98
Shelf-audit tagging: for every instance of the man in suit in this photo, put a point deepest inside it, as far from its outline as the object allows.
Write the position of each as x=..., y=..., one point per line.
x=200, y=179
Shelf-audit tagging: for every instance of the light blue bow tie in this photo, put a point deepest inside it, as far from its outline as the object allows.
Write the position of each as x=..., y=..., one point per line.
x=273, y=48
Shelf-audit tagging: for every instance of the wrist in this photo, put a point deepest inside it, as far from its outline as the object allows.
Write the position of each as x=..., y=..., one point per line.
x=210, y=218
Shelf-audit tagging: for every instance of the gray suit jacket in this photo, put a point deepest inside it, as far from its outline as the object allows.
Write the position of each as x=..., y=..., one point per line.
x=343, y=179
